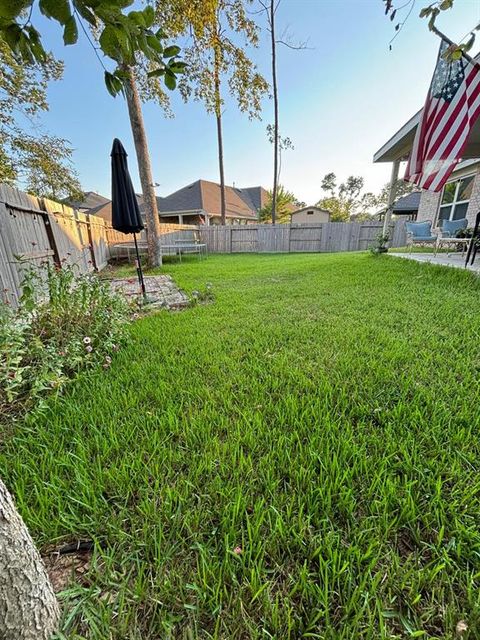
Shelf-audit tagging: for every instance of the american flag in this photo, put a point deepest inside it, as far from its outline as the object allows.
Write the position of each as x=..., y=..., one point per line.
x=451, y=109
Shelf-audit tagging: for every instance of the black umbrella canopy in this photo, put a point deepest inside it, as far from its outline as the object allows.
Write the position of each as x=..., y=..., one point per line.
x=125, y=212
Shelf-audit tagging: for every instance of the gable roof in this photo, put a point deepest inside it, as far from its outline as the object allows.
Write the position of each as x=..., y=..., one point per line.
x=312, y=208
x=204, y=195
x=90, y=200
x=256, y=197
x=407, y=203
x=102, y=211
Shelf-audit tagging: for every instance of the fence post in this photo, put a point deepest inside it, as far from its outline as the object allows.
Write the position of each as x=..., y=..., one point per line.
x=49, y=231
x=90, y=241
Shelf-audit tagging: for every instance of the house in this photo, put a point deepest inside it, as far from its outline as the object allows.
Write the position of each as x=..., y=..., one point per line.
x=460, y=197
x=200, y=203
x=407, y=206
x=309, y=215
x=90, y=200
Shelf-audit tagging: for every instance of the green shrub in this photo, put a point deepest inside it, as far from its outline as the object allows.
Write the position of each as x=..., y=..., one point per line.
x=380, y=244
x=66, y=322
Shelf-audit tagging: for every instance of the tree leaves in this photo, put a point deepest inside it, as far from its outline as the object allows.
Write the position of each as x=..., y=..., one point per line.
x=170, y=79
x=171, y=52
x=125, y=38
x=39, y=159
x=156, y=72
x=59, y=10
x=70, y=32
x=113, y=83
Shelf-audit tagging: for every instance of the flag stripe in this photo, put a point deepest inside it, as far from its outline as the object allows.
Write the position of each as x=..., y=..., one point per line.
x=451, y=109
x=450, y=117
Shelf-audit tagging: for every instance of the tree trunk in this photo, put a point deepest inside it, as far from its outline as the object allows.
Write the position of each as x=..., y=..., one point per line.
x=145, y=171
x=218, y=115
x=28, y=607
x=275, y=111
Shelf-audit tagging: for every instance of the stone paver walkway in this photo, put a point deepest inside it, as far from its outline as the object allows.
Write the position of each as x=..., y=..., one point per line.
x=162, y=292
x=453, y=260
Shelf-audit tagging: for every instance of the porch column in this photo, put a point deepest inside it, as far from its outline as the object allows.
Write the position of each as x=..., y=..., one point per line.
x=180, y=219
x=391, y=196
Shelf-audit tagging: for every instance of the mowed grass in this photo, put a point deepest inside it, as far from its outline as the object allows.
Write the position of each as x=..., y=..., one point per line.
x=322, y=416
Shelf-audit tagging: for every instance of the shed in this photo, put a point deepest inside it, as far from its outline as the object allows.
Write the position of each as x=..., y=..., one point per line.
x=310, y=215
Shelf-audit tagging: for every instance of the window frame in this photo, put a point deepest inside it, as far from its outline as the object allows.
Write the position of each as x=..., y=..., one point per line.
x=454, y=202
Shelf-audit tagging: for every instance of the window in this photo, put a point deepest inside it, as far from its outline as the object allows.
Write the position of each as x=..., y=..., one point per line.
x=455, y=198
x=309, y=213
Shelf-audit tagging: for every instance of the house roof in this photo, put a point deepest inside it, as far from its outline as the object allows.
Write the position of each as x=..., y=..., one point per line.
x=257, y=196
x=312, y=208
x=90, y=200
x=407, y=204
x=102, y=211
x=204, y=195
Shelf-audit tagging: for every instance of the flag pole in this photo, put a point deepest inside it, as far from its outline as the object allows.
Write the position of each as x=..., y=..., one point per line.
x=454, y=44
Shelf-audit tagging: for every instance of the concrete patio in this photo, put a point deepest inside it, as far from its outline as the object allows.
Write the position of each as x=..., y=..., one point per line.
x=447, y=260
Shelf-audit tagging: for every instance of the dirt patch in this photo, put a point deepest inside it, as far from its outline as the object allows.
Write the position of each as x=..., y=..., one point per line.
x=68, y=564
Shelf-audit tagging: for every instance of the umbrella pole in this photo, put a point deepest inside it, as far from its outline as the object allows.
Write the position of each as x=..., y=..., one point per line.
x=138, y=264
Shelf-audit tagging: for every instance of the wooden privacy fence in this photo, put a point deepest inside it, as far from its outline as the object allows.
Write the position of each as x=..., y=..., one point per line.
x=290, y=238
x=36, y=230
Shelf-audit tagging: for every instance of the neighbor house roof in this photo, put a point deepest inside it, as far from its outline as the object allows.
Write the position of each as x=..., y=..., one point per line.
x=257, y=196
x=204, y=195
x=105, y=210
x=90, y=200
x=102, y=211
x=407, y=204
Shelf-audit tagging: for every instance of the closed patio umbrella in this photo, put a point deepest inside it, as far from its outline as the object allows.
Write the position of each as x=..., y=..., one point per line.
x=125, y=212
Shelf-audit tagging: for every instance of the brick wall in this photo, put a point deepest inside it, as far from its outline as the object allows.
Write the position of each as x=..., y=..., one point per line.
x=429, y=201
x=474, y=206
x=428, y=208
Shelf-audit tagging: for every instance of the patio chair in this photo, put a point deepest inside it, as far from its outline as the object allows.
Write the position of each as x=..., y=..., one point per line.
x=474, y=242
x=450, y=228
x=450, y=235
x=420, y=233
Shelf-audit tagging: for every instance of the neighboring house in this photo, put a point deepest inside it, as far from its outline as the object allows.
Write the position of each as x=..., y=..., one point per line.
x=200, y=203
x=460, y=197
x=102, y=211
x=90, y=200
x=309, y=215
x=407, y=206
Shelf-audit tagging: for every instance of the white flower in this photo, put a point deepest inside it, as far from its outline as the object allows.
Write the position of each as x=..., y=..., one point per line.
x=89, y=348
x=87, y=340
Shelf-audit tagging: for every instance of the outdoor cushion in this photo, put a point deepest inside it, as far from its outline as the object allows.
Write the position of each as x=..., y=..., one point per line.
x=420, y=230
x=451, y=227
x=424, y=238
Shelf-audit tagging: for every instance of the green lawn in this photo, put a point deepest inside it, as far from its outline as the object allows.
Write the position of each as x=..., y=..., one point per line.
x=322, y=415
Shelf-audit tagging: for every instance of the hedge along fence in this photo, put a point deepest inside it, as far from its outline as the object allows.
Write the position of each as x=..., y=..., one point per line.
x=36, y=230
x=291, y=238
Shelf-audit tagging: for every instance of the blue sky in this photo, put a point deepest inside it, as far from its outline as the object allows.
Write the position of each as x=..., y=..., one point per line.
x=340, y=100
